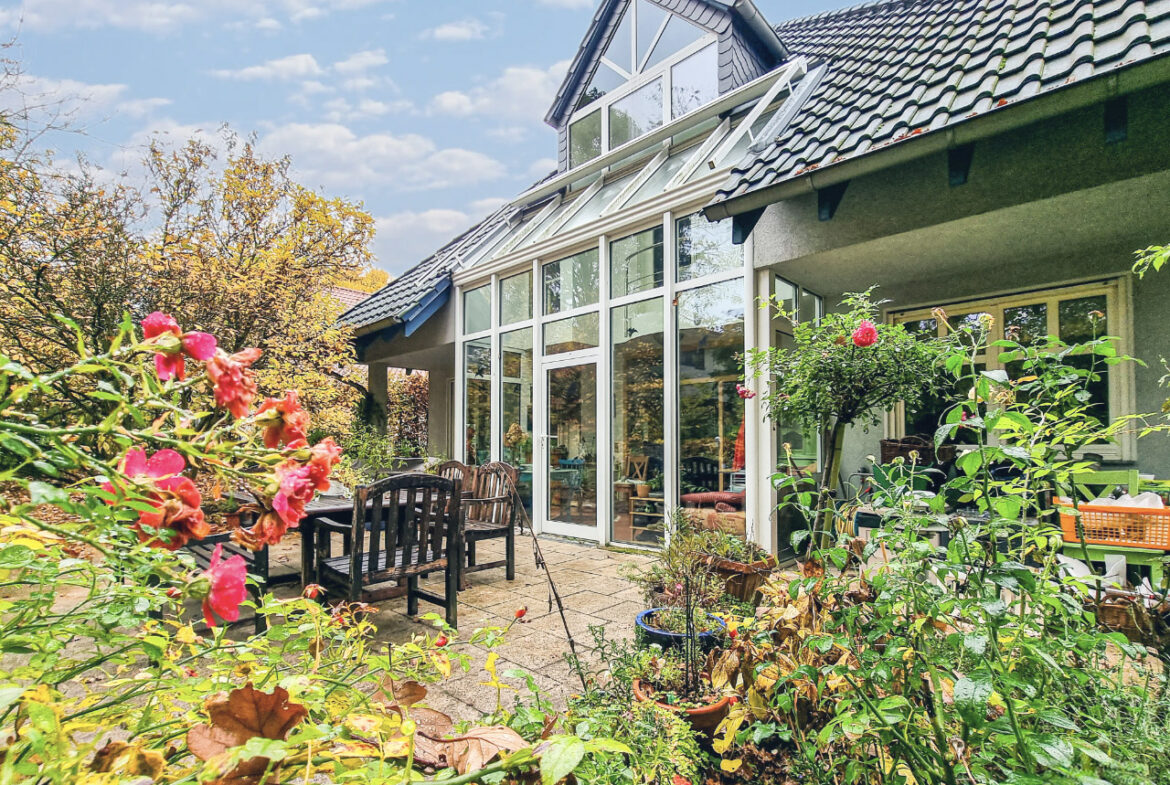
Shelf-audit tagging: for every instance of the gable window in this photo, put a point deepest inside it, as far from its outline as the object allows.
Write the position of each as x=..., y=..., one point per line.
x=656, y=68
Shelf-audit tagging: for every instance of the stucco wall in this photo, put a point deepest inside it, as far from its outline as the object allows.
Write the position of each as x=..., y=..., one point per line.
x=1044, y=206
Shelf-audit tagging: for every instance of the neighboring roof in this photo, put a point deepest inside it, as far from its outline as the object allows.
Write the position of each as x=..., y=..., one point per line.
x=747, y=46
x=348, y=297
x=419, y=289
x=903, y=68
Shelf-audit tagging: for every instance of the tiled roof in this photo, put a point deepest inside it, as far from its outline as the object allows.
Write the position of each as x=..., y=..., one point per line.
x=348, y=297
x=397, y=298
x=901, y=68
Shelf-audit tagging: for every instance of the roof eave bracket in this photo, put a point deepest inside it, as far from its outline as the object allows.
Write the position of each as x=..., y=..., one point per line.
x=959, y=163
x=829, y=199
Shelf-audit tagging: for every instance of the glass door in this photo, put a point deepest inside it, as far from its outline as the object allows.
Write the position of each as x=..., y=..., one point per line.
x=570, y=449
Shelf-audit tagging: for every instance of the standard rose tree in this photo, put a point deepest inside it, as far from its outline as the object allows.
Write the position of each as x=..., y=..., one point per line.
x=846, y=369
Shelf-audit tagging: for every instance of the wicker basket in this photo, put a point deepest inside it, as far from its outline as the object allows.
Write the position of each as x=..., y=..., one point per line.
x=1133, y=527
x=928, y=455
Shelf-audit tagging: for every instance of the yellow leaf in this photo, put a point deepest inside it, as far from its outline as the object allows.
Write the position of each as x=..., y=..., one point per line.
x=730, y=766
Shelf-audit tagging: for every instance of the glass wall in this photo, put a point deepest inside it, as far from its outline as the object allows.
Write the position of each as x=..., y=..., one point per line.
x=705, y=248
x=639, y=498
x=636, y=263
x=799, y=305
x=572, y=444
x=477, y=385
x=712, y=429
x=516, y=390
x=477, y=309
x=571, y=283
x=516, y=298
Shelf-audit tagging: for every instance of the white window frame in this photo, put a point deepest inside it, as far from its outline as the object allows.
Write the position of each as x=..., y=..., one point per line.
x=1119, y=323
x=661, y=70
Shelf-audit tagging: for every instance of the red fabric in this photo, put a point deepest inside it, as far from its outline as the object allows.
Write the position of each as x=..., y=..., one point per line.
x=739, y=460
x=733, y=498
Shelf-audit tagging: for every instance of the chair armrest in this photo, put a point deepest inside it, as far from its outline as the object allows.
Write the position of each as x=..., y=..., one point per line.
x=330, y=527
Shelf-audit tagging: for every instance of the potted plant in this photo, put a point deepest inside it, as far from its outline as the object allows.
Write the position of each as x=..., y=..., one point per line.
x=667, y=627
x=741, y=565
x=672, y=679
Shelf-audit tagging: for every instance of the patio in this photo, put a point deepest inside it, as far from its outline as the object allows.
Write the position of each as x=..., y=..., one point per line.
x=591, y=586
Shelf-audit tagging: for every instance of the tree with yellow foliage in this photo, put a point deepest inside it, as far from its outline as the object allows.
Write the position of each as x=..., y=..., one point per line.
x=228, y=243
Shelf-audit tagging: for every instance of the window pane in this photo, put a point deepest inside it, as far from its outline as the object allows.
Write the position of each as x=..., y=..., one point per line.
x=1082, y=320
x=636, y=262
x=786, y=295
x=922, y=328
x=621, y=46
x=705, y=248
x=585, y=139
x=572, y=334
x=571, y=283
x=594, y=206
x=604, y=80
x=516, y=409
x=679, y=34
x=636, y=114
x=477, y=368
x=694, y=82
x=812, y=307
x=661, y=176
x=477, y=309
x=639, y=502
x=572, y=440
x=711, y=413
x=1030, y=322
x=650, y=19
x=516, y=298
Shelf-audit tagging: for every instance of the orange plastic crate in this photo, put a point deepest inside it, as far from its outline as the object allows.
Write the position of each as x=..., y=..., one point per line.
x=1132, y=527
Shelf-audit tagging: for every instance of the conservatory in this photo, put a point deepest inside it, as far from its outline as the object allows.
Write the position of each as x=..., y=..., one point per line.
x=602, y=328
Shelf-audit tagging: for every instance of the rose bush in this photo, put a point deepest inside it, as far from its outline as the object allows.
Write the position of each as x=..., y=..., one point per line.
x=107, y=674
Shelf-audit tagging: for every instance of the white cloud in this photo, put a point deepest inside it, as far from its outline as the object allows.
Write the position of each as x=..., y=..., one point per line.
x=46, y=101
x=268, y=24
x=469, y=29
x=360, y=62
x=406, y=238
x=521, y=92
x=290, y=67
x=512, y=134
x=484, y=207
x=333, y=156
x=164, y=16
x=541, y=167
x=141, y=107
x=340, y=110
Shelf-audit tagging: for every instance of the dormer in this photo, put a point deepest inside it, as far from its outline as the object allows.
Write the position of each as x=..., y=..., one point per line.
x=645, y=63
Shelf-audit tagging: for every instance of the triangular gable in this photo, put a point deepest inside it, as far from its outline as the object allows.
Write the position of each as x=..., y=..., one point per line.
x=748, y=47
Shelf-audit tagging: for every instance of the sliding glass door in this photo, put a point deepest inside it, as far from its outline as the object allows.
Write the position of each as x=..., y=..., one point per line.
x=570, y=449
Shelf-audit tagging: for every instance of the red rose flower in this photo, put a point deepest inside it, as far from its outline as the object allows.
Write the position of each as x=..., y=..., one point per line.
x=520, y=614
x=284, y=421
x=268, y=530
x=175, y=499
x=440, y=641
x=235, y=387
x=228, y=589
x=312, y=591
x=163, y=330
x=296, y=490
x=325, y=454
x=744, y=392
x=865, y=335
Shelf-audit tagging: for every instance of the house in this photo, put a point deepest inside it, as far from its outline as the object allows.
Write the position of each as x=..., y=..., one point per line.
x=983, y=155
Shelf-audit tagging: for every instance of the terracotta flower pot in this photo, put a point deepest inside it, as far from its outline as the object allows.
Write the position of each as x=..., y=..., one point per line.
x=643, y=490
x=740, y=579
x=704, y=719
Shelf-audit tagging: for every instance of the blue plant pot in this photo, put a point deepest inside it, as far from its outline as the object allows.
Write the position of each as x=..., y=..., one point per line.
x=650, y=634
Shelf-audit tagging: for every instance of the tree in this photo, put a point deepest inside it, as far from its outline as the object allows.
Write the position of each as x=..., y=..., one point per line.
x=234, y=247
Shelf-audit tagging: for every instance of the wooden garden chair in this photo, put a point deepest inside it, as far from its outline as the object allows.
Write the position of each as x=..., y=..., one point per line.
x=491, y=514
x=414, y=528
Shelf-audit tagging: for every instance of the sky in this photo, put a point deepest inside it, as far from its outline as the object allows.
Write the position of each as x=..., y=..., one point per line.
x=428, y=112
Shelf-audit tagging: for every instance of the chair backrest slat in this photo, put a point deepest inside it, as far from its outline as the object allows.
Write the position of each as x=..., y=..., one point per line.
x=419, y=508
